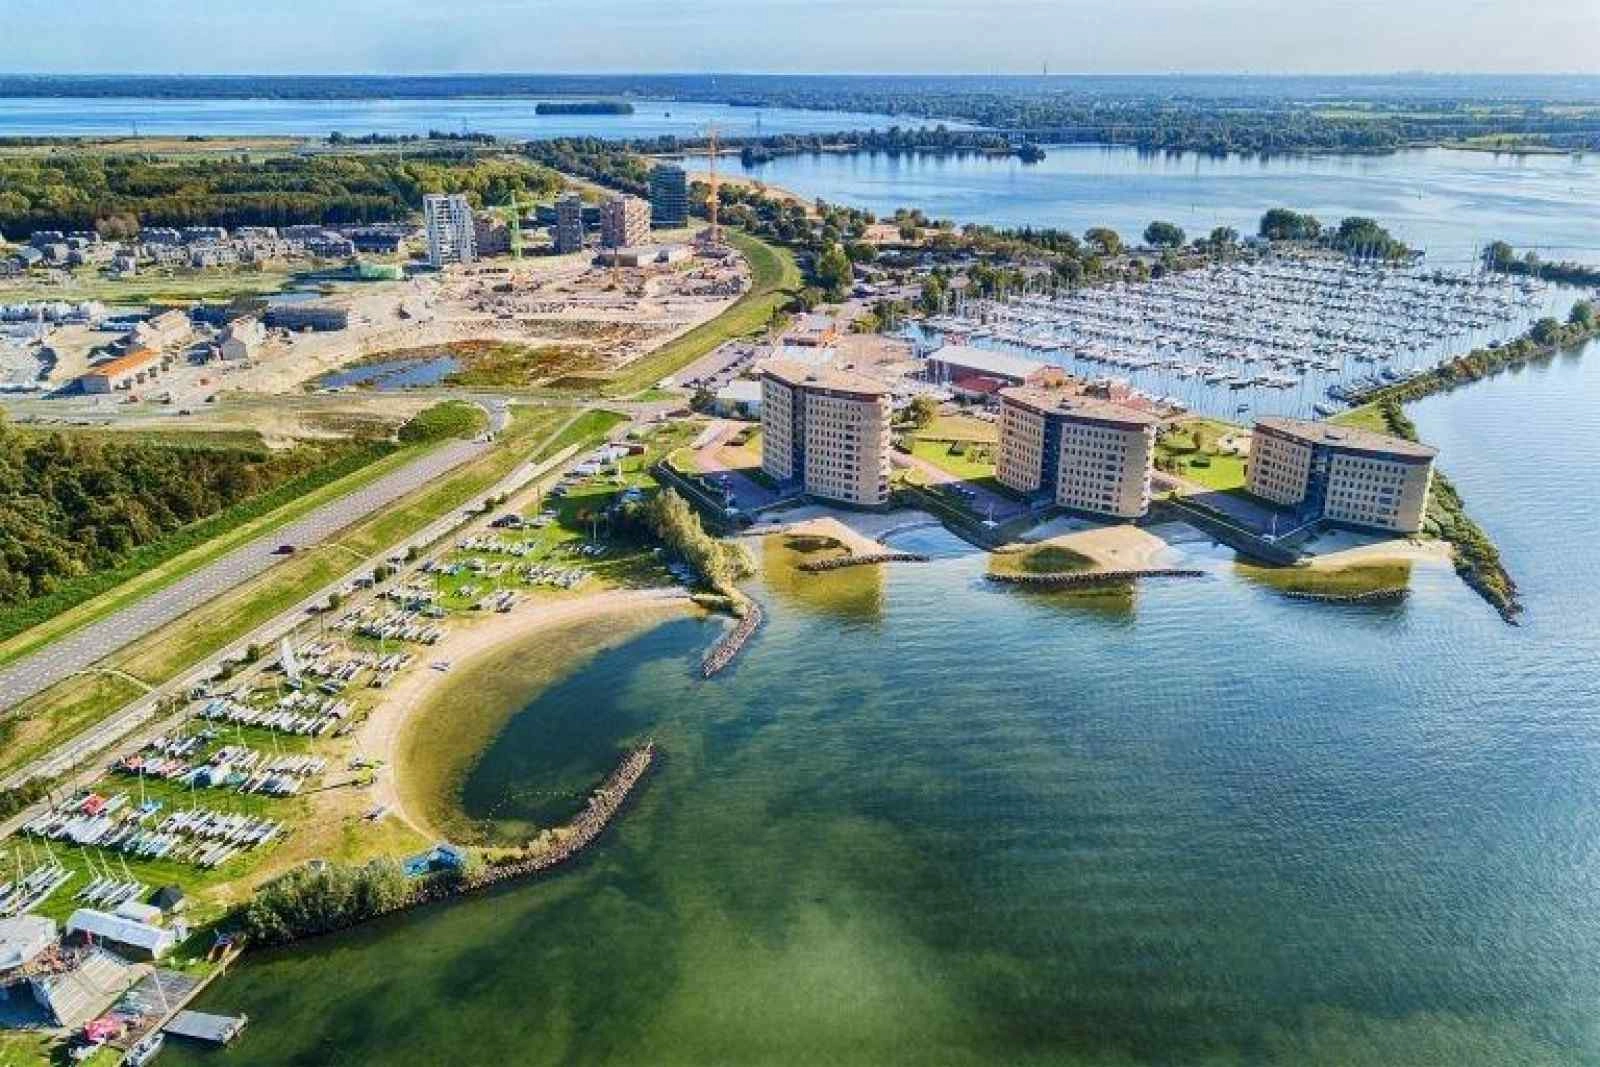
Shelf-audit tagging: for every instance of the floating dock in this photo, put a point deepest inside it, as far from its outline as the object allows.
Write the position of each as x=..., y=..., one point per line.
x=198, y=1026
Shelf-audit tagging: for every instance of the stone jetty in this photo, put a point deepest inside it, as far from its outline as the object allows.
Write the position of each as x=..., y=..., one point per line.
x=817, y=566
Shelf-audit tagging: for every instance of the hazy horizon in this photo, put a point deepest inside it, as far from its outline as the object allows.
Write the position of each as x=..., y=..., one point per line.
x=944, y=37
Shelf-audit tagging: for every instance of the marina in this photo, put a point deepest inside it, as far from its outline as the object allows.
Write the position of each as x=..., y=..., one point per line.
x=1296, y=335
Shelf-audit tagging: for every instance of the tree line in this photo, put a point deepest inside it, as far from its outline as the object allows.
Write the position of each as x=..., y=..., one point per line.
x=1503, y=259
x=82, y=191
x=75, y=504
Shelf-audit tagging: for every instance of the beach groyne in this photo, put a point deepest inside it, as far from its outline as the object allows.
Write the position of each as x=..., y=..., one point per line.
x=818, y=566
x=1371, y=596
x=1090, y=578
x=605, y=803
x=723, y=652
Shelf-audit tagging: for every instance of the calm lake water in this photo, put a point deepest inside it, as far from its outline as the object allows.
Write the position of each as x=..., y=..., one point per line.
x=1447, y=202
x=922, y=821
x=502, y=116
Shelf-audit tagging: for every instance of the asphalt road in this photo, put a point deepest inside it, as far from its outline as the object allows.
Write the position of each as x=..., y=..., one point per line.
x=142, y=710
x=83, y=648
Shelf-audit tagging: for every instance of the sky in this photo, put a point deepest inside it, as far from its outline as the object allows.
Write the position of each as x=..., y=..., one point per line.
x=817, y=36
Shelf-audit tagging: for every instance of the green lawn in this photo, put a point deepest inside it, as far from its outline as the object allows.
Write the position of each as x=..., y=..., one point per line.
x=969, y=461
x=591, y=426
x=774, y=278
x=960, y=427
x=1192, y=450
x=1366, y=417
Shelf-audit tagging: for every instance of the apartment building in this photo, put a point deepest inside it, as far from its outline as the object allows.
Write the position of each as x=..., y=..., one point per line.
x=451, y=236
x=624, y=222
x=669, y=196
x=826, y=431
x=567, y=234
x=1089, y=454
x=1341, y=474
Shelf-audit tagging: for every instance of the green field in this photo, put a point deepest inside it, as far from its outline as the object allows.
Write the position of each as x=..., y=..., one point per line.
x=774, y=278
x=1366, y=417
x=579, y=520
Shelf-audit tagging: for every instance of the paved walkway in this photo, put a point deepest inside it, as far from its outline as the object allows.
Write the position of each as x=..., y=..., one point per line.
x=84, y=647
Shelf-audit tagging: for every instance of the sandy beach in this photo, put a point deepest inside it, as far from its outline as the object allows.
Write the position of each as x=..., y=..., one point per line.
x=380, y=737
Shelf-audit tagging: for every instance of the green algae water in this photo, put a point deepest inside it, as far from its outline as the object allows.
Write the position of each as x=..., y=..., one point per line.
x=922, y=821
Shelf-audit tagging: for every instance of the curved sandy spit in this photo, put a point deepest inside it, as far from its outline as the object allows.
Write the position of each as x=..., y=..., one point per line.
x=381, y=735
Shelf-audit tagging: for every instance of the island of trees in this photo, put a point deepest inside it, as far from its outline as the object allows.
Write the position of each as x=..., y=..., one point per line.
x=583, y=107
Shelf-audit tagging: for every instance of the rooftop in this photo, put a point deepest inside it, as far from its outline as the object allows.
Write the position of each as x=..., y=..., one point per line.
x=740, y=390
x=840, y=381
x=22, y=938
x=1061, y=402
x=1349, y=438
x=134, y=359
x=988, y=361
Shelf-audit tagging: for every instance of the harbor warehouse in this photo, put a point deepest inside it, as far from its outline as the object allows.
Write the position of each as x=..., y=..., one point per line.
x=1090, y=454
x=826, y=431
x=1341, y=474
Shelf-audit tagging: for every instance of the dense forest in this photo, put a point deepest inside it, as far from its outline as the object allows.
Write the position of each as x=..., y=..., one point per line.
x=113, y=193
x=75, y=504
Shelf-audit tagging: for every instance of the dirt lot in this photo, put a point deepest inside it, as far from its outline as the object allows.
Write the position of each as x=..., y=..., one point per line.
x=553, y=300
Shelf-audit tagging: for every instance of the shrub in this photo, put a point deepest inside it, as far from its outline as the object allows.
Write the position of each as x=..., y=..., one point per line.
x=452, y=418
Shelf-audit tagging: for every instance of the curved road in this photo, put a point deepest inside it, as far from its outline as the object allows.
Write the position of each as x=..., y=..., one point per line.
x=87, y=646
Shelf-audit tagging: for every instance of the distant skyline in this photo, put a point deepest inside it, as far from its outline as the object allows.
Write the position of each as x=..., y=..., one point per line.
x=802, y=36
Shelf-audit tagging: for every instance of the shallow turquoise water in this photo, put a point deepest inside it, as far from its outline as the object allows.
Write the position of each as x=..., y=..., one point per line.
x=949, y=825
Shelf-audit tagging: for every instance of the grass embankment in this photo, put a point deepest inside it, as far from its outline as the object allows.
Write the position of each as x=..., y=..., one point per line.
x=157, y=565
x=1041, y=559
x=64, y=709
x=1477, y=559
x=1195, y=449
x=774, y=279
x=592, y=425
x=1357, y=579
